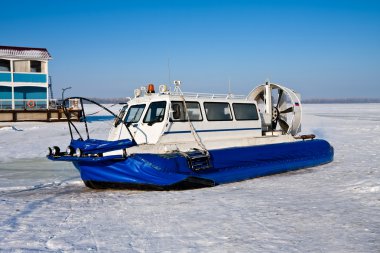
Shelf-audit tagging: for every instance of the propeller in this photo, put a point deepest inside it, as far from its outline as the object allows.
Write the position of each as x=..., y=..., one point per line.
x=285, y=110
x=279, y=114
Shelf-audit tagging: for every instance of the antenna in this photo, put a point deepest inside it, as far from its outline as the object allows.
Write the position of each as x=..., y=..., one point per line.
x=169, y=78
x=229, y=85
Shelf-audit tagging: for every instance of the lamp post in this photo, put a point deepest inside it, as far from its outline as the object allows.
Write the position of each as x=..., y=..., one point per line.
x=63, y=92
x=64, y=89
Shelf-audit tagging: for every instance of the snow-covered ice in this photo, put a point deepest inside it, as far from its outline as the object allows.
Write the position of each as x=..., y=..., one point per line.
x=331, y=208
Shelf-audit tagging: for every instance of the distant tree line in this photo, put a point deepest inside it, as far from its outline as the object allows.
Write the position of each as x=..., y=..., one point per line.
x=305, y=101
x=340, y=100
x=109, y=100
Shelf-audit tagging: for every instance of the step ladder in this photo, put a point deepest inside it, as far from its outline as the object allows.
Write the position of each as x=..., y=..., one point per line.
x=198, y=159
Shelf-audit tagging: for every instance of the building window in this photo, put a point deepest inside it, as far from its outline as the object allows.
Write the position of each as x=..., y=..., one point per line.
x=245, y=111
x=29, y=66
x=29, y=92
x=5, y=65
x=35, y=66
x=217, y=111
x=21, y=66
x=193, y=110
x=155, y=113
x=5, y=92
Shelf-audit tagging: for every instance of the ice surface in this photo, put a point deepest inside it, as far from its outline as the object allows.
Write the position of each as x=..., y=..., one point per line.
x=331, y=208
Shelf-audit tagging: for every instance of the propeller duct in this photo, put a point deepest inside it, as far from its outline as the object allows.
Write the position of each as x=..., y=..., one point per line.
x=284, y=110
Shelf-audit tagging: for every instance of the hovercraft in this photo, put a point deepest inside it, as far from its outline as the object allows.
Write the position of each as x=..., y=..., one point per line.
x=171, y=139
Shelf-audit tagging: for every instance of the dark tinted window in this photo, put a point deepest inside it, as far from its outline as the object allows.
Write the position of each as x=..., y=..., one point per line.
x=245, y=111
x=35, y=66
x=5, y=65
x=217, y=111
x=178, y=111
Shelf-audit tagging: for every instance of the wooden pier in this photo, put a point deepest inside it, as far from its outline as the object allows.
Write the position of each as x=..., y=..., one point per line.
x=45, y=115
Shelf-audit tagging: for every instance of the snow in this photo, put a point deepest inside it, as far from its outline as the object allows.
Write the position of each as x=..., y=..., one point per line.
x=331, y=208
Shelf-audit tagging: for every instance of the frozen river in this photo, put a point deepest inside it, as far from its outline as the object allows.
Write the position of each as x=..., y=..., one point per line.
x=331, y=208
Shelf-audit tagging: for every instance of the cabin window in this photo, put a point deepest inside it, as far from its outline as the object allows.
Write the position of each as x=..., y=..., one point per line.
x=155, y=113
x=245, y=111
x=5, y=65
x=193, y=110
x=120, y=116
x=134, y=113
x=217, y=111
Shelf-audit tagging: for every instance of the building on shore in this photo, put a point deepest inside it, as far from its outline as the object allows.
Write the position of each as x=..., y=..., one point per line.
x=24, y=78
x=24, y=86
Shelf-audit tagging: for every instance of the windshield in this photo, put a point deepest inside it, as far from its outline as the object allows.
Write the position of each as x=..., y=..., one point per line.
x=134, y=113
x=120, y=116
x=155, y=112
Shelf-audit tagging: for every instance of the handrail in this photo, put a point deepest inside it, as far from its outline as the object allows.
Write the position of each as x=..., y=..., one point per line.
x=208, y=95
x=71, y=124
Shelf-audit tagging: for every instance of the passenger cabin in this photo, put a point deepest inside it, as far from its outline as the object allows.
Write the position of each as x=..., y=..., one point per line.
x=172, y=118
x=24, y=78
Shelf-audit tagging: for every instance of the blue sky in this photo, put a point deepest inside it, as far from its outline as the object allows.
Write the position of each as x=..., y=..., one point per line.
x=327, y=49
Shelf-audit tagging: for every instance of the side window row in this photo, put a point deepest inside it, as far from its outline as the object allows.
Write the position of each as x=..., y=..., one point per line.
x=215, y=111
x=23, y=66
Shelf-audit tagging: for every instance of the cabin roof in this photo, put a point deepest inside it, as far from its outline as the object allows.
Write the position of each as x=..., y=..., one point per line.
x=24, y=53
x=201, y=97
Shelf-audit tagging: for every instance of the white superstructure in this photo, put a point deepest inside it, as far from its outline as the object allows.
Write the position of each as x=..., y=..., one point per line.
x=172, y=120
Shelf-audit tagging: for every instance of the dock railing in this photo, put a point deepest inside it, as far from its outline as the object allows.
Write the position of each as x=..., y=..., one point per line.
x=5, y=104
x=23, y=104
x=36, y=104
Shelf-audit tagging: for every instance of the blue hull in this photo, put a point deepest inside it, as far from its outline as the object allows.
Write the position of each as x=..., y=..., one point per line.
x=228, y=165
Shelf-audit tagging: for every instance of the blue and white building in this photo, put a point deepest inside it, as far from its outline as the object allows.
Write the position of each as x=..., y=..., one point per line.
x=24, y=78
